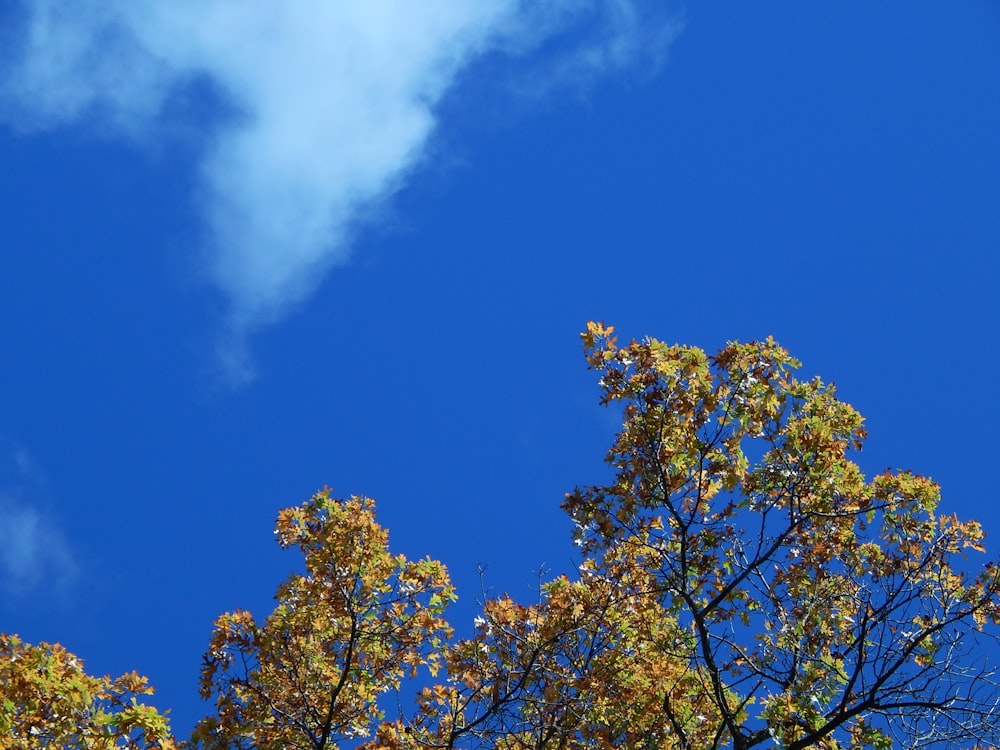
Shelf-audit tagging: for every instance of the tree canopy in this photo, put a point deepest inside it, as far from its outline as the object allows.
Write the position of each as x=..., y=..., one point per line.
x=741, y=584
x=48, y=701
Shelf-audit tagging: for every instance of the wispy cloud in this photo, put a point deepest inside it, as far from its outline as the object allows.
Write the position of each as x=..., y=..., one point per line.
x=330, y=106
x=33, y=550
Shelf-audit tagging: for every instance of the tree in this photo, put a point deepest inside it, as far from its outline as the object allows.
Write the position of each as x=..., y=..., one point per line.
x=345, y=632
x=819, y=607
x=48, y=701
x=743, y=584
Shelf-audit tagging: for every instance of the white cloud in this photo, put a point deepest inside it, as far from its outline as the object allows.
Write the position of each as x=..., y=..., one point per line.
x=33, y=550
x=332, y=103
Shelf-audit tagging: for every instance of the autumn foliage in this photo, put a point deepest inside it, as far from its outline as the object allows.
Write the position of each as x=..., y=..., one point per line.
x=344, y=633
x=741, y=584
x=50, y=702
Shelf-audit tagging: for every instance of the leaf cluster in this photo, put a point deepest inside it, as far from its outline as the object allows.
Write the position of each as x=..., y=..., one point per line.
x=345, y=632
x=49, y=701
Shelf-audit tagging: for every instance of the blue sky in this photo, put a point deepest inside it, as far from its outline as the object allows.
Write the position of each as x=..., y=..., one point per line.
x=249, y=252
